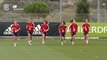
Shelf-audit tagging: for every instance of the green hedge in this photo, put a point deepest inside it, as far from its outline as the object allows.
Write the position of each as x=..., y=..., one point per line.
x=39, y=9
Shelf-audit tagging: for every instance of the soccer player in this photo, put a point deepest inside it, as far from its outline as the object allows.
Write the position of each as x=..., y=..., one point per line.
x=30, y=29
x=62, y=31
x=44, y=29
x=73, y=30
x=86, y=28
x=15, y=29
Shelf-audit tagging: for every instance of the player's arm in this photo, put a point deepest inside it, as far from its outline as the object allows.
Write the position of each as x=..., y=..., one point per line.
x=18, y=28
x=33, y=26
x=12, y=27
x=47, y=28
x=70, y=28
x=89, y=28
x=83, y=26
x=77, y=28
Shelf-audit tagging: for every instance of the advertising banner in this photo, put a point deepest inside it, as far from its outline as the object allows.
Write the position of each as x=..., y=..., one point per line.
x=5, y=29
x=96, y=30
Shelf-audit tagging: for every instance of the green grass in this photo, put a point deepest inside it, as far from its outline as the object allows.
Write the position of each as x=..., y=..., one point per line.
x=52, y=50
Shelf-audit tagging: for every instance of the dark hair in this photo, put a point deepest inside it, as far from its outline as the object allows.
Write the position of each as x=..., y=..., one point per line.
x=46, y=21
x=71, y=21
x=63, y=22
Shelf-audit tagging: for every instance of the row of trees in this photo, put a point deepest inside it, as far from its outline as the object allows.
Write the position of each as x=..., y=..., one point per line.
x=41, y=9
x=82, y=10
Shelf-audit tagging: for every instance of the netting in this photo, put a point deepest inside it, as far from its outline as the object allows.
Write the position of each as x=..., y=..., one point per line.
x=98, y=11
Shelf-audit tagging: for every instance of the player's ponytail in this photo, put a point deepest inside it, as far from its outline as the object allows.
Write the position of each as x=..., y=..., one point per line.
x=46, y=21
x=63, y=22
x=71, y=21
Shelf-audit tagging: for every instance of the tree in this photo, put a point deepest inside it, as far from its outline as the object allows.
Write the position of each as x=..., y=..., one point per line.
x=82, y=10
x=38, y=8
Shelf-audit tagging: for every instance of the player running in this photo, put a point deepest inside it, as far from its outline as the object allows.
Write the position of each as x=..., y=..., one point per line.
x=86, y=28
x=62, y=31
x=30, y=29
x=73, y=30
x=44, y=29
x=15, y=30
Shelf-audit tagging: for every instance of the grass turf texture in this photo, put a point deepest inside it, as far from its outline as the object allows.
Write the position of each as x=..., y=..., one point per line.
x=52, y=50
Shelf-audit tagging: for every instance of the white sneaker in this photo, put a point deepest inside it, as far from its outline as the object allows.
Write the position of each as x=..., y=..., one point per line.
x=72, y=43
x=29, y=42
x=43, y=42
x=86, y=41
x=14, y=44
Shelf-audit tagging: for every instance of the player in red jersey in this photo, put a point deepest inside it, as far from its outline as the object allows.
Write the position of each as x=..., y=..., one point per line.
x=30, y=29
x=15, y=29
x=44, y=29
x=73, y=30
x=86, y=28
x=62, y=31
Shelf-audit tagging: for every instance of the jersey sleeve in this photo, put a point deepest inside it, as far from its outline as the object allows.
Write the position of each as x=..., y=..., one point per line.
x=47, y=27
x=18, y=26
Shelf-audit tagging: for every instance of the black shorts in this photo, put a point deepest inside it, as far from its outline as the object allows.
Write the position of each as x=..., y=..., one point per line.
x=30, y=33
x=15, y=33
x=62, y=34
x=85, y=33
x=73, y=33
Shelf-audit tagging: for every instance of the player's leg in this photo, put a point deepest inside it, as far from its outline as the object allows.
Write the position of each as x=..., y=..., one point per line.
x=43, y=38
x=29, y=38
x=61, y=38
x=15, y=39
x=73, y=38
x=64, y=38
x=86, y=40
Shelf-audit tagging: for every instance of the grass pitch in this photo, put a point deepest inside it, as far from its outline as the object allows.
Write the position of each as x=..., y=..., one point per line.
x=52, y=50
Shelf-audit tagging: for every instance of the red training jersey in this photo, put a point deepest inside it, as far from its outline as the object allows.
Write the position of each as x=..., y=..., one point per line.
x=44, y=28
x=62, y=28
x=15, y=27
x=30, y=26
x=73, y=27
x=86, y=27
